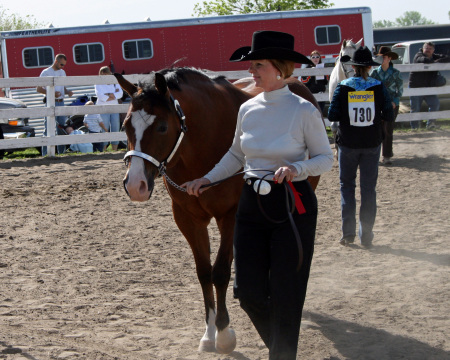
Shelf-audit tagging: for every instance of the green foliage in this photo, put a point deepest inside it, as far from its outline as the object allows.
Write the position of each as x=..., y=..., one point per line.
x=10, y=21
x=384, y=24
x=232, y=7
x=409, y=18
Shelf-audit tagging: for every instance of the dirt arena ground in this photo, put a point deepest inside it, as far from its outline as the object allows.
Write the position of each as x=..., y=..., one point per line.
x=87, y=274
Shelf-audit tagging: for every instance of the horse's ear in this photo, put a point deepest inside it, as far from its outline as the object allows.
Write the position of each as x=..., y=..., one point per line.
x=359, y=43
x=161, y=84
x=126, y=85
x=344, y=43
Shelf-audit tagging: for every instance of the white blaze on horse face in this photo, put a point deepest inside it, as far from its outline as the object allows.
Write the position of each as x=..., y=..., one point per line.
x=140, y=121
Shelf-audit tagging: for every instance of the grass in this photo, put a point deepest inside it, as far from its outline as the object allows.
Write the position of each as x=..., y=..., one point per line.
x=30, y=153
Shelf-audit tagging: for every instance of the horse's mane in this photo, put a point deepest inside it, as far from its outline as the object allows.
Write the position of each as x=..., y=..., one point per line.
x=187, y=75
x=174, y=78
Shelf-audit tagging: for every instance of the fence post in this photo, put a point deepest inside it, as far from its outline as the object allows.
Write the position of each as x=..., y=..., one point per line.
x=50, y=122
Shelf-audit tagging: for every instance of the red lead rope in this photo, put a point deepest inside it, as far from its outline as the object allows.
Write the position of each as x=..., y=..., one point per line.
x=298, y=202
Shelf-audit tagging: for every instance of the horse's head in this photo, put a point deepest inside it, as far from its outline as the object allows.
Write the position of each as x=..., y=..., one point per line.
x=153, y=130
x=342, y=71
x=348, y=48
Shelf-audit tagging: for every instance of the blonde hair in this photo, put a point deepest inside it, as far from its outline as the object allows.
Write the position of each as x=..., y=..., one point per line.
x=285, y=67
x=362, y=71
x=104, y=70
x=89, y=103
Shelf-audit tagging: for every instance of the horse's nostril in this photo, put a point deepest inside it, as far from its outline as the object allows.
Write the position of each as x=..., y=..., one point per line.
x=143, y=187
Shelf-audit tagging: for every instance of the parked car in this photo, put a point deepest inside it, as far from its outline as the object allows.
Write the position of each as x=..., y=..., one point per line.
x=13, y=127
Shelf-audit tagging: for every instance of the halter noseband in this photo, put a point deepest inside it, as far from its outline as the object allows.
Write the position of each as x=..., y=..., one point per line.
x=346, y=72
x=162, y=165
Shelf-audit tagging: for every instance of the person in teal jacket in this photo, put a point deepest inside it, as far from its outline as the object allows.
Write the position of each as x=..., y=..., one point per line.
x=392, y=80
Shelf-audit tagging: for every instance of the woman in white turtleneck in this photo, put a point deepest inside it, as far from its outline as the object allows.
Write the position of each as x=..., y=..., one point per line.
x=283, y=134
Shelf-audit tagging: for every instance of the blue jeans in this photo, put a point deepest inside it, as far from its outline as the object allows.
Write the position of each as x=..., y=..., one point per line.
x=367, y=160
x=61, y=120
x=416, y=102
x=112, y=123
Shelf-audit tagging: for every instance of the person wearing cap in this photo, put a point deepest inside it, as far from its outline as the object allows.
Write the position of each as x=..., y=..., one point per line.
x=392, y=79
x=359, y=105
x=280, y=140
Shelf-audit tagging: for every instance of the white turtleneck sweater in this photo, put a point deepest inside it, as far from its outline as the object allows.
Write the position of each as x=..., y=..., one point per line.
x=275, y=129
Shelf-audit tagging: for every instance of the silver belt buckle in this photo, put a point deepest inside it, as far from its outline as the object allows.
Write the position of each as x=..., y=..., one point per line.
x=263, y=185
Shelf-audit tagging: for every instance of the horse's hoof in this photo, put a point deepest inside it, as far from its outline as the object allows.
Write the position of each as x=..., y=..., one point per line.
x=207, y=346
x=225, y=341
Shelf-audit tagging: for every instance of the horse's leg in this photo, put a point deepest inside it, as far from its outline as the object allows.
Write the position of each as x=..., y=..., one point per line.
x=196, y=233
x=225, y=336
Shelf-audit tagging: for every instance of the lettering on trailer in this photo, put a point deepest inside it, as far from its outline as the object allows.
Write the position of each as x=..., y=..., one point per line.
x=35, y=32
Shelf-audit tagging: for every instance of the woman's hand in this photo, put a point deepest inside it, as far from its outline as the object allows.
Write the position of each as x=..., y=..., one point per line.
x=287, y=173
x=193, y=187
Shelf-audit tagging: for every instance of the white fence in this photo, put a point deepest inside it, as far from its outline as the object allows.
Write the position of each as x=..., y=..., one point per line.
x=50, y=111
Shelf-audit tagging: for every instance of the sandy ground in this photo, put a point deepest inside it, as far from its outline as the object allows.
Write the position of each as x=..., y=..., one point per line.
x=87, y=274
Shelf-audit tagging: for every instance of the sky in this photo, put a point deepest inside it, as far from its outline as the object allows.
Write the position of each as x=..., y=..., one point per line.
x=72, y=13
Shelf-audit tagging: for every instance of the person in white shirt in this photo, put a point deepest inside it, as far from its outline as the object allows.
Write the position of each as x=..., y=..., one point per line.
x=109, y=94
x=56, y=70
x=94, y=124
x=284, y=135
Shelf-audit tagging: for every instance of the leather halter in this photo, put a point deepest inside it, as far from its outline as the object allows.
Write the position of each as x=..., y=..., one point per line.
x=346, y=72
x=162, y=165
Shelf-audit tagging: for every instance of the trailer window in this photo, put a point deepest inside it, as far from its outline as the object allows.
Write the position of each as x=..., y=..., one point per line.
x=327, y=35
x=137, y=49
x=38, y=57
x=88, y=53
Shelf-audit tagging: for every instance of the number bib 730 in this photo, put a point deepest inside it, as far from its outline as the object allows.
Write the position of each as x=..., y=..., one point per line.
x=361, y=108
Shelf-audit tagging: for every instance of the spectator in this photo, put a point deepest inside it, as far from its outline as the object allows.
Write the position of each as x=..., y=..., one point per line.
x=109, y=95
x=359, y=103
x=392, y=79
x=316, y=84
x=56, y=70
x=94, y=124
x=420, y=79
x=83, y=147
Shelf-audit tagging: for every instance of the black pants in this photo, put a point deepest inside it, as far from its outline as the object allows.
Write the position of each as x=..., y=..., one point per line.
x=96, y=146
x=388, y=133
x=270, y=289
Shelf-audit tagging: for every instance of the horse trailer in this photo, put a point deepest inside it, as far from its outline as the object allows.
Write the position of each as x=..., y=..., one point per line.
x=206, y=42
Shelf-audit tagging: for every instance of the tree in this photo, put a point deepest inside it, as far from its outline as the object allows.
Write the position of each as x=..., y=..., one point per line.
x=383, y=24
x=15, y=22
x=231, y=7
x=409, y=18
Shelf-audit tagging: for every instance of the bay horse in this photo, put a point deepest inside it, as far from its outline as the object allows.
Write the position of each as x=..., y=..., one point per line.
x=179, y=124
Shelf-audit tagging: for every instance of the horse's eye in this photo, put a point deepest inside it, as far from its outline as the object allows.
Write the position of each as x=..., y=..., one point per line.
x=162, y=128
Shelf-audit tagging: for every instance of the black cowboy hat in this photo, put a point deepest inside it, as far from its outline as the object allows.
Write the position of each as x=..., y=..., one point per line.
x=386, y=51
x=270, y=45
x=361, y=57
